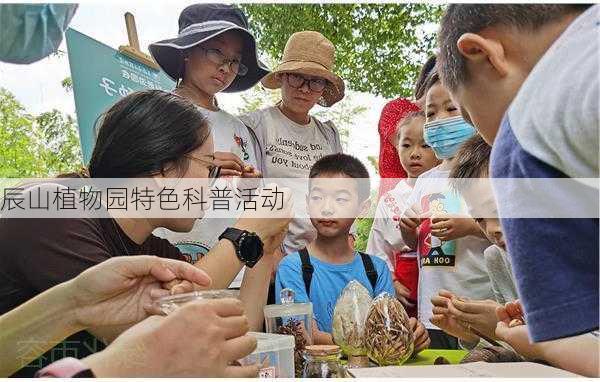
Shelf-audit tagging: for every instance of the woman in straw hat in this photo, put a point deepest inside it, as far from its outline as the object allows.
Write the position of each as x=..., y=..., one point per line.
x=214, y=52
x=290, y=139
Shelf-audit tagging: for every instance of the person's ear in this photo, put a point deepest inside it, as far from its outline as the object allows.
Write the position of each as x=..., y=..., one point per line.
x=478, y=50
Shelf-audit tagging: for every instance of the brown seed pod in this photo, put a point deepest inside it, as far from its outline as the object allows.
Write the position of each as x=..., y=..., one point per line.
x=294, y=328
x=388, y=336
x=492, y=354
x=349, y=315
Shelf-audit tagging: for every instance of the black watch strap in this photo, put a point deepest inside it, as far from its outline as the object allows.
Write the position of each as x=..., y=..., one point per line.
x=233, y=235
x=237, y=237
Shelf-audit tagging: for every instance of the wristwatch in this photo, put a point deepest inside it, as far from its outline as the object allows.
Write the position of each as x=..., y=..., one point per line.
x=248, y=246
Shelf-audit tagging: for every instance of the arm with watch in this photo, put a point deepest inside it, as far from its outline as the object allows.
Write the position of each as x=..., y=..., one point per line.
x=251, y=243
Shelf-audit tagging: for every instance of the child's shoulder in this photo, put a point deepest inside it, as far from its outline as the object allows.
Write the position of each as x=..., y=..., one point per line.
x=291, y=260
x=403, y=188
x=256, y=118
x=377, y=261
x=431, y=179
x=435, y=172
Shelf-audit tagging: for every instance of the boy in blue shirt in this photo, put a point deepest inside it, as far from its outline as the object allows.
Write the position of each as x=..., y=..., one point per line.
x=339, y=190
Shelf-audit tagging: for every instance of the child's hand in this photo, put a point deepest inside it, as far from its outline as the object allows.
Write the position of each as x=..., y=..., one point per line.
x=409, y=221
x=402, y=293
x=511, y=313
x=448, y=228
x=515, y=335
x=420, y=335
x=518, y=338
x=319, y=337
x=448, y=323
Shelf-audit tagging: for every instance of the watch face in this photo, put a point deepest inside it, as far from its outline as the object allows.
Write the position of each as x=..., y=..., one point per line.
x=251, y=248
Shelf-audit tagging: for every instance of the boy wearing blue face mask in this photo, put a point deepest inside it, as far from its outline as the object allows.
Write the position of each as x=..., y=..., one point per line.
x=450, y=248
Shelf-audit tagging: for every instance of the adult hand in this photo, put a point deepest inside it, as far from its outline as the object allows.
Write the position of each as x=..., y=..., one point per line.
x=448, y=228
x=200, y=339
x=402, y=293
x=477, y=314
x=270, y=220
x=249, y=171
x=116, y=291
x=445, y=321
x=231, y=164
x=420, y=335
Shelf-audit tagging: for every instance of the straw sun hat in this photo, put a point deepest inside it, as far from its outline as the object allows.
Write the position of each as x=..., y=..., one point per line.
x=312, y=54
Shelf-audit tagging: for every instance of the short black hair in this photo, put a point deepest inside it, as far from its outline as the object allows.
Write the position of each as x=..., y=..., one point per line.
x=344, y=164
x=471, y=161
x=405, y=121
x=427, y=67
x=410, y=116
x=472, y=18
x=432, y=79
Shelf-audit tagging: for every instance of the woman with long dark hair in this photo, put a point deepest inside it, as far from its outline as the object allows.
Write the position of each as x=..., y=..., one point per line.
x=149, y=134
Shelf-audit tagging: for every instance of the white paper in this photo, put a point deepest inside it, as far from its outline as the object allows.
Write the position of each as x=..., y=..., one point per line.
x=466, y=370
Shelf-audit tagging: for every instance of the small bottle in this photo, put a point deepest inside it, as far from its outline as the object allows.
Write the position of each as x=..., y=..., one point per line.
x=323, y=361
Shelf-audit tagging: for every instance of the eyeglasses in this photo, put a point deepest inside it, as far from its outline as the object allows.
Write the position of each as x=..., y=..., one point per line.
x=213, y=171
x=218, y=58
x=314, y=84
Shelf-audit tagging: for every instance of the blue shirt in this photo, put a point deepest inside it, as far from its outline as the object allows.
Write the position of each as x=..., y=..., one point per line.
x=551, y=131
x=327, y=283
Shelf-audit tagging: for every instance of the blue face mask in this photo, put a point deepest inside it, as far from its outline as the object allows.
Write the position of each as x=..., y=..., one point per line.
x=445, y=136
x=31, y=32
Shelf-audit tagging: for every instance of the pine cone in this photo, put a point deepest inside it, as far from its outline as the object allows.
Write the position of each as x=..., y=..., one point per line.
x=389, y=338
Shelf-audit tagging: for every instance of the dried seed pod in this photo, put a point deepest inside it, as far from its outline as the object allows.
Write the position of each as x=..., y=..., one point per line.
x=388, y=336
x=294, y=328
x=492, y=354
x=349, y=317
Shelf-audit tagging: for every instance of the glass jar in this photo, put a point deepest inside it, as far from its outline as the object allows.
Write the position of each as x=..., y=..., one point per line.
x=291, y=318
x=168, y=304
x=323, y=361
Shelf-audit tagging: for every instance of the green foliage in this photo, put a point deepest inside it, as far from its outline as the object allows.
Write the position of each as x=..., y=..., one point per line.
x=67, y=84
x=363, y=225
x=363, y=228
x=36, y=146
x=379, y=47
x=374, y=162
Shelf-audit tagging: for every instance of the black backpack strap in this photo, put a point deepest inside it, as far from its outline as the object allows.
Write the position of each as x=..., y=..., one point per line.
x=369, y=269
x=307, y=270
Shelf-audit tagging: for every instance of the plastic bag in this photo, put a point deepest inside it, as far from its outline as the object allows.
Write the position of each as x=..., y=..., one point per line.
x=388, y=335
x=349, y=317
